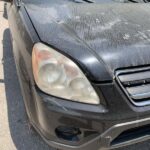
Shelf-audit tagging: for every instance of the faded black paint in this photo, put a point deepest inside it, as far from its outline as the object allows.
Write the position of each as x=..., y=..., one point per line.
x=107, y=36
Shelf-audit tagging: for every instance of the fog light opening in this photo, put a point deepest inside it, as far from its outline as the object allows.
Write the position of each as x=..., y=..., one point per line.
x=68, y=133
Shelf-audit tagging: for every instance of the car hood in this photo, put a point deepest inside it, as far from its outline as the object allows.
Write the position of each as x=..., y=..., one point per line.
x=101, y=38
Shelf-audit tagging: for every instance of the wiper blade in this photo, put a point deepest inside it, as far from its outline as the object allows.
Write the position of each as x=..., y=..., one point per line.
x=81, y=1
x=121, y=1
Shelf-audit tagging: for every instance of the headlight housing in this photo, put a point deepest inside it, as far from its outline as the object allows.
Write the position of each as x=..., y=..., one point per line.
x=57, y=75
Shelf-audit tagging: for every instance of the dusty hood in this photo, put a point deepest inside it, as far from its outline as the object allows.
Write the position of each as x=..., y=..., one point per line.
x=100, y=37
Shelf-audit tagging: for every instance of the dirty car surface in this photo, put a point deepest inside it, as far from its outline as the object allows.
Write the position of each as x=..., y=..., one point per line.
x=84, y=70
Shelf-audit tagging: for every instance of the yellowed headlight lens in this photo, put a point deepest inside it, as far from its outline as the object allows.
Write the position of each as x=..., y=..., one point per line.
x=59, y=76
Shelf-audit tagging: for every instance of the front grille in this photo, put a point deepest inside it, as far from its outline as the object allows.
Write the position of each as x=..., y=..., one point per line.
x=136, y=85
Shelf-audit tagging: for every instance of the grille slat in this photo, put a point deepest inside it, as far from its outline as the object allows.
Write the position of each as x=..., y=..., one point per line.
x=136, y=85
x=139, y=92
x=135, y=76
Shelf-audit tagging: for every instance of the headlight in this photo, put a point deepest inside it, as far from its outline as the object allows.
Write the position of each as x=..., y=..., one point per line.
x=59, y=76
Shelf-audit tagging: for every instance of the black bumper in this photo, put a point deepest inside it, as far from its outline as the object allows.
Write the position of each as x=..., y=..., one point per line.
x=103, y=132
x=103, y=142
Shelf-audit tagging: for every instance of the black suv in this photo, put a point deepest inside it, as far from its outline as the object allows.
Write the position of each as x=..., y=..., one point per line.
x=84, y=70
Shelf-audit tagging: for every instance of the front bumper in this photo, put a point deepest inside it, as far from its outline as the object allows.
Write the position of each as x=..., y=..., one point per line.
x=104, y=130
x=103, y=142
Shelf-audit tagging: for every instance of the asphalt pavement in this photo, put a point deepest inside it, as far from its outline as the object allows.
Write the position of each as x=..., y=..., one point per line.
x=15, y=131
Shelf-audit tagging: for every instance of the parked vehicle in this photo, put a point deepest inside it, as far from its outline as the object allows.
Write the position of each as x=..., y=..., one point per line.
x=84, y=70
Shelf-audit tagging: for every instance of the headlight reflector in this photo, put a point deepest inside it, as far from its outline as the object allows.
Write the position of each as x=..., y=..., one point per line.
x=59, y=76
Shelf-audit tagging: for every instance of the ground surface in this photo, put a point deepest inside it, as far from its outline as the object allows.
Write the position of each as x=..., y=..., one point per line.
x=15, y=133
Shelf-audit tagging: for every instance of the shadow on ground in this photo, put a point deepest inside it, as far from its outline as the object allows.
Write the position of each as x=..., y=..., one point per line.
x=23, y=137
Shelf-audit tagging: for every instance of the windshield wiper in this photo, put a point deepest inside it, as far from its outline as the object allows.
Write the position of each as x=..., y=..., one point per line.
x=122, y=1
x=81, y=1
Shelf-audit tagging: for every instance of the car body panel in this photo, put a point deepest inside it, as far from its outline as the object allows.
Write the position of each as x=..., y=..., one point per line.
x=107, y=36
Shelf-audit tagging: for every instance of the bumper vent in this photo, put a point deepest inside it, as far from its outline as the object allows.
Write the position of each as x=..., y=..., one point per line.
x=134, y=134
x=136, y=84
